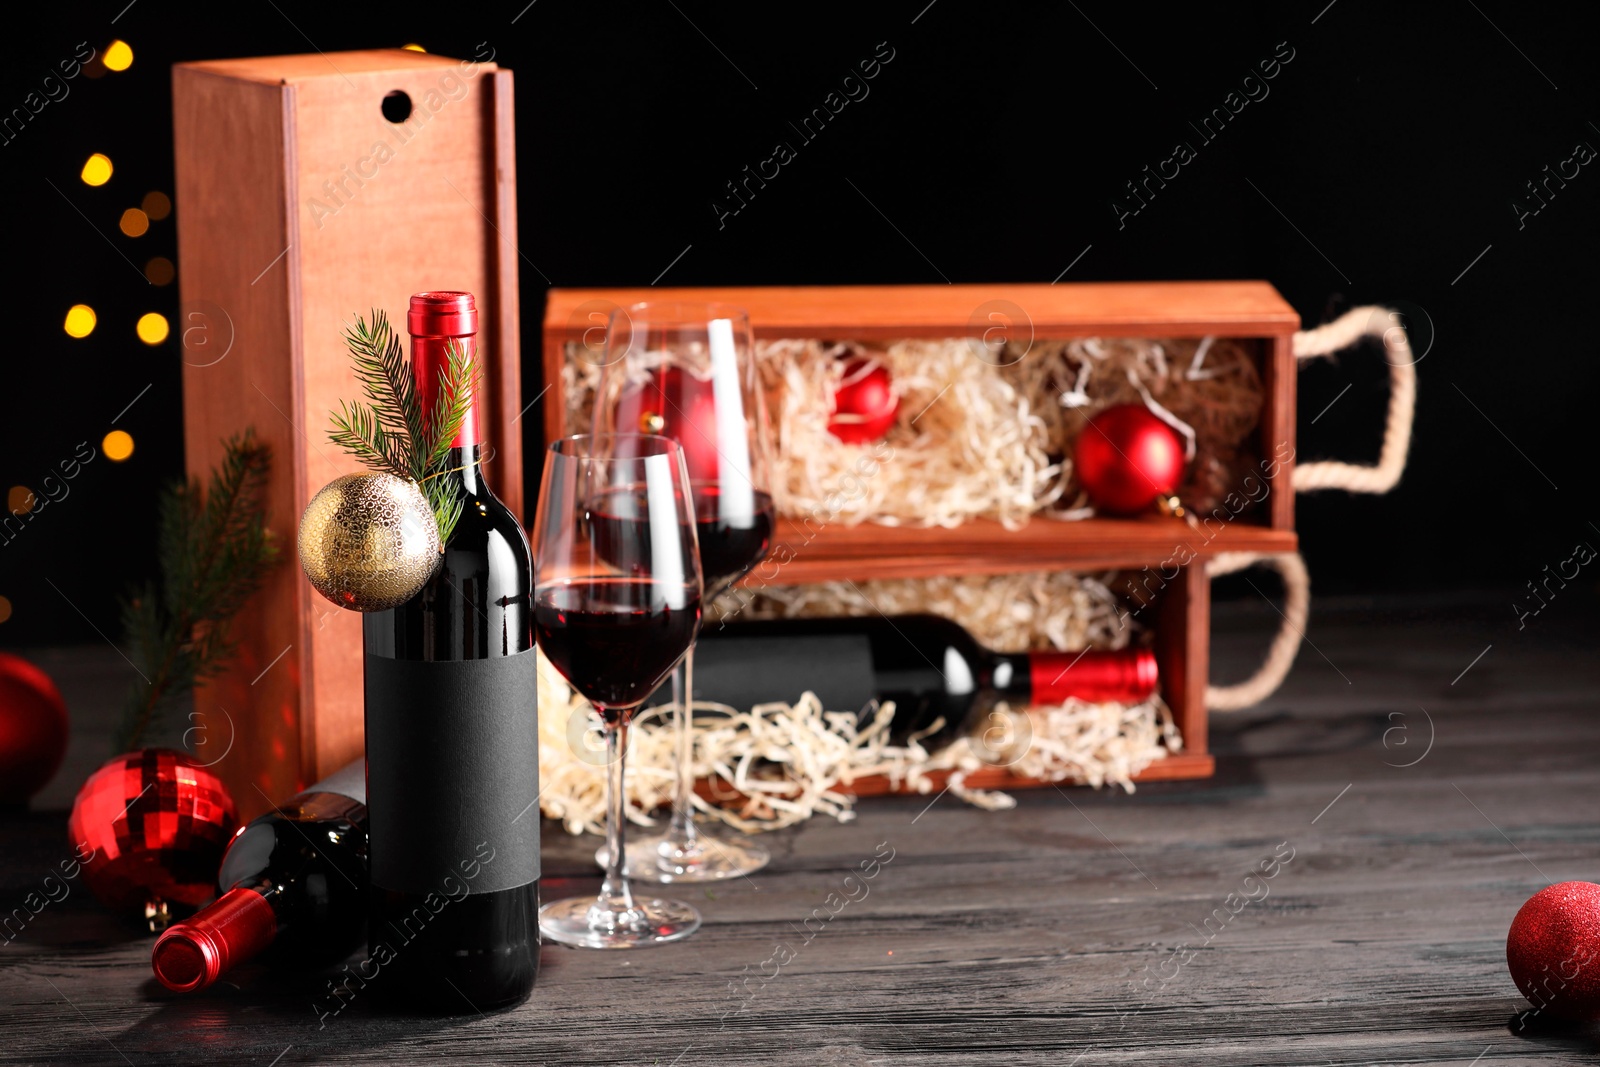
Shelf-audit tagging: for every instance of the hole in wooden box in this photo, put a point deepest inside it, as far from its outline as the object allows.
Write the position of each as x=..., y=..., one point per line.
x=975, y=431
x=396, y=106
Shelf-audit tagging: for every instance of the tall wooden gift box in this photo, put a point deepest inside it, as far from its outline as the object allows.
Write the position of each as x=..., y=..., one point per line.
x=311, y=189
x=1166, y=550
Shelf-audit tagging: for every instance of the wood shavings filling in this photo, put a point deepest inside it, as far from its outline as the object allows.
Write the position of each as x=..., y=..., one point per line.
x=778, y=764
x=979, y=433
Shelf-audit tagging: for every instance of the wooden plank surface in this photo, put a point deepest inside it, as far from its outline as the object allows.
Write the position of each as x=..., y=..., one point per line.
x=887, y=312
x=820, y=552
x=1026, y=936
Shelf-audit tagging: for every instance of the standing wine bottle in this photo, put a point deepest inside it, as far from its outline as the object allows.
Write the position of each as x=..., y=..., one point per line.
x=293, y=882
x=931, y=667
x=452, y=738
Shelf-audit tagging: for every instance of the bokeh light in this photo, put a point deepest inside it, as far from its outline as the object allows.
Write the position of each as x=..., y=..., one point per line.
x=135, y=223
x=152, y=328
x=5, y=609
x=118, y=56
x=80, y=320
x=157, y=205
x=117, y=445
x=160, y=271
x=20, y=500
x=96, y=169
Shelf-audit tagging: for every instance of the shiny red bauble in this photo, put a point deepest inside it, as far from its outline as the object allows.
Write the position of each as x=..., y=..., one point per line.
x=33, y=729
x=680, y=406
x=1553, y=950
x=864, y=405
x=152, y=825
x=1126, y=459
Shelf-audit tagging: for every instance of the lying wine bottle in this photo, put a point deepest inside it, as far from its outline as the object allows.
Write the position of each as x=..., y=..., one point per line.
x=293, y=886
x=452, y=739
x=931, y=668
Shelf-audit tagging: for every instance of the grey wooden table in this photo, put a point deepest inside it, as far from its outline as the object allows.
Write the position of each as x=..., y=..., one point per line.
x=1396, y=803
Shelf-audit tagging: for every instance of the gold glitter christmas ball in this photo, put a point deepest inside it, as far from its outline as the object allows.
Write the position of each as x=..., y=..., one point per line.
x=369, y=542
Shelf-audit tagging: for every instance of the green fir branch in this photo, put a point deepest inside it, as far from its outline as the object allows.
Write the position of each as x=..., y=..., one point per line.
x=213, y=552
x=389, y=432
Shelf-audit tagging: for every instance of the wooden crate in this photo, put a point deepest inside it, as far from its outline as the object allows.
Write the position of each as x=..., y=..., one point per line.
x=301, y=205
x=1251, y=312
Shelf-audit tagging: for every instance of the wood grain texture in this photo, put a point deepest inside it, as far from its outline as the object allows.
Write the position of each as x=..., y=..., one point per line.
x=1022, y=937
x=304, y=206
x=823, y=552
x=886, y=312
x=241, y=368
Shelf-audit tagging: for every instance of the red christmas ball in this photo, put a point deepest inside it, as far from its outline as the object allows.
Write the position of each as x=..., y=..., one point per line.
x=1553, y=950
x=33, y=729
x=1126, y=459
x=150, y=828
x=680, y=406
x=864, y=405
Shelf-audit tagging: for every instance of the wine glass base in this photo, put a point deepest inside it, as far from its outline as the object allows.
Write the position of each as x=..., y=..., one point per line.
x=583, y=922
x=714, y=859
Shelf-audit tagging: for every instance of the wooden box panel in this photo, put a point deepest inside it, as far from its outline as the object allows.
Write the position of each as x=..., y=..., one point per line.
x=1168, y=548
x=303, y=206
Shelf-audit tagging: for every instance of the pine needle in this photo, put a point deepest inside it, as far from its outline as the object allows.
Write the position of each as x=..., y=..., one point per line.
x=213, y=552
x=389, y=432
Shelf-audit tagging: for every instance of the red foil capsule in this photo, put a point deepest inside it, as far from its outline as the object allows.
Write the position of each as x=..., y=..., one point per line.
x=1123, y=676
x=435, y=320
x=192, y=954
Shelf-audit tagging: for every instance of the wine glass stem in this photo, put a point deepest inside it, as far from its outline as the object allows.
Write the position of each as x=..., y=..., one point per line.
x=614, y=891
x=681, y=835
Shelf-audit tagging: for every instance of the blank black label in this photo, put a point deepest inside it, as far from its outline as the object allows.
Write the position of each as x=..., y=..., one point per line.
x=453, y=773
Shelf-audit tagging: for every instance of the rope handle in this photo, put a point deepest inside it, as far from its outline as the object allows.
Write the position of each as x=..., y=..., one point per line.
x=1339, y=334
x=1280, y=654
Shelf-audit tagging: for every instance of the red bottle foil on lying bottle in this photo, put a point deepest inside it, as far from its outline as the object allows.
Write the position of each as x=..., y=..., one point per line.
x=192, y=954
x=1123, y=676
x=435, y=320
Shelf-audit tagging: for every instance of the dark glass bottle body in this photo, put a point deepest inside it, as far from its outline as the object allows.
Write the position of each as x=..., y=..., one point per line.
x=476, y=606
x=309, y=860
x=294, y=890
x=931, y=667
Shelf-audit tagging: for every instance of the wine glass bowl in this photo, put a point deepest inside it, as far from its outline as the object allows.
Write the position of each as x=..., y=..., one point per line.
x=687, y=371
x=616, y=607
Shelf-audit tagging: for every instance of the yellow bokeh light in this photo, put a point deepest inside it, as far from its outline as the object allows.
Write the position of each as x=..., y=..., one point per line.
x=414, y=48
x=117, y=445
x=159, y=271
x=157, y=205
x=96, y=169
x=80, y=320
x=135, y=223
x=152, y=328
x=20, y=500
x=118, y=56
x=5, y=609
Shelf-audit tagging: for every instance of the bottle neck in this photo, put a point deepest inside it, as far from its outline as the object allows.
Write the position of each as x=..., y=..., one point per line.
x=464, y=466
x=430, y=364
x=1010, y=674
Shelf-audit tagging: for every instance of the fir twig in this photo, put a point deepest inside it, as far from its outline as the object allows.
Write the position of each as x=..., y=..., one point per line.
x=390, y=432
x=213, y=552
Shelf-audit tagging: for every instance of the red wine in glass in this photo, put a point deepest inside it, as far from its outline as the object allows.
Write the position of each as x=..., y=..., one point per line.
x=613, y=638
x=732, y=539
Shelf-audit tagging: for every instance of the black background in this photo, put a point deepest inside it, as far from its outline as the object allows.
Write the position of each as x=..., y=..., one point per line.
x=989, y=149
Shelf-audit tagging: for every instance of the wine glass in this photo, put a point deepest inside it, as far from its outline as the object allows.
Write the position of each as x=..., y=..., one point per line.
x=687, y=371
x=616, y=606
